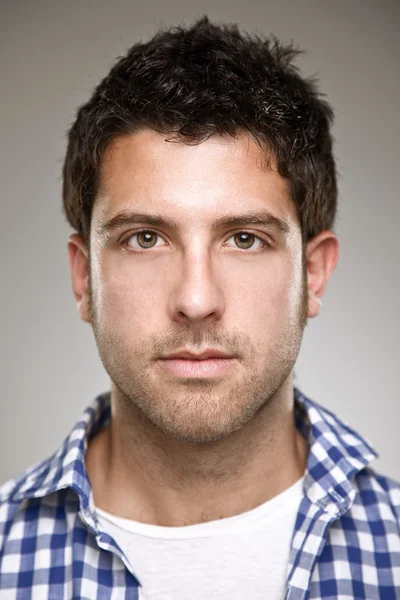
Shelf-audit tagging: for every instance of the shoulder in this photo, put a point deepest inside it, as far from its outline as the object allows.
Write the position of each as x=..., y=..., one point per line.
x=374, y=488
x=35, y=528
x=11, y=502
x=25, y=500
x=32, y=477
x=377, y=500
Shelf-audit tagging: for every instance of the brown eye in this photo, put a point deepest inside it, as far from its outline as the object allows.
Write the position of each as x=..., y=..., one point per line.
x=248, y=241
x=244, y=240
x=144, y=240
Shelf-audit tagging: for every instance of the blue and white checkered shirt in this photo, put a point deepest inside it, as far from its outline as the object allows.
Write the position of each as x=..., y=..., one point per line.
x=346, y=541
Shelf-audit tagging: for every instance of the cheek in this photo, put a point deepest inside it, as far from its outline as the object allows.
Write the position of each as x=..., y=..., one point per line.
x=267, y=308
x=126, y=298
x=263, y=294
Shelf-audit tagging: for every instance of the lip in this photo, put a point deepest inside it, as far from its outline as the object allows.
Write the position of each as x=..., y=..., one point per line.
x=206, y=367
x=192, y=355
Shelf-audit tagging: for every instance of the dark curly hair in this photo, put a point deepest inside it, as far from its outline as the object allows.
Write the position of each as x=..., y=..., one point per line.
x=193, y=82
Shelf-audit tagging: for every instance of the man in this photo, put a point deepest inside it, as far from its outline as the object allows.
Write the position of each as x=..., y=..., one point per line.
x=201, y=184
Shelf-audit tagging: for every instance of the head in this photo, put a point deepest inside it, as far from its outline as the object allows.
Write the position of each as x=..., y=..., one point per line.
x=201, y=183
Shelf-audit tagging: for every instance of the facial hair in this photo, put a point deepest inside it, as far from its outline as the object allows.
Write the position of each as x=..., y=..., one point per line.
x=198, y=410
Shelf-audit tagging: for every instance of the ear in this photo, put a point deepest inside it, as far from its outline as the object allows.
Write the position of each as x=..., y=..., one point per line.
x=322, y=254
x=79, y=265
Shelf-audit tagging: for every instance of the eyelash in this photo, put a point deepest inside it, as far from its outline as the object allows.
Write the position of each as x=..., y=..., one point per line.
x=125, y=241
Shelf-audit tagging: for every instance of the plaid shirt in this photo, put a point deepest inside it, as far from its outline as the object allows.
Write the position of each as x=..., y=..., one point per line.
x=346, y=541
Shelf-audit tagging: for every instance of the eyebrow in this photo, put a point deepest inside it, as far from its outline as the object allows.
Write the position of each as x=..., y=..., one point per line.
x=252, y=218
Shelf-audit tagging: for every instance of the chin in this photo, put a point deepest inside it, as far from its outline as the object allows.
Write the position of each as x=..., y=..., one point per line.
x=199, y=436
x=203, y=426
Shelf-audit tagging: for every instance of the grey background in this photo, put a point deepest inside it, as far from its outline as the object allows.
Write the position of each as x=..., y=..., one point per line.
x=52, y=54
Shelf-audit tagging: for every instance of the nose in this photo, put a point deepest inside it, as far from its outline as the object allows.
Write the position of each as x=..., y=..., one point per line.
x=196, y=294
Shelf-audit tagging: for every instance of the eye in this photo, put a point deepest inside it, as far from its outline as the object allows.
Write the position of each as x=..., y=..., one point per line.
x=245, y=241
x=145, y=240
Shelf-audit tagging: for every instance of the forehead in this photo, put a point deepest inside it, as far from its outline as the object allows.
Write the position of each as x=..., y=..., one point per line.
x=148, y=171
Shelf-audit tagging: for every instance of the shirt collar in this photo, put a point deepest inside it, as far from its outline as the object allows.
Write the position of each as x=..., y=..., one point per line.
x=66, y=467
x=336, y=454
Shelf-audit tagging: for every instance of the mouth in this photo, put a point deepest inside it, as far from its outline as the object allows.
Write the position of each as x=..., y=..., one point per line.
x=206, y=367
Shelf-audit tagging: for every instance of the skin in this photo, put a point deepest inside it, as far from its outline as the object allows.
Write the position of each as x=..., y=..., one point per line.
x=182, y=451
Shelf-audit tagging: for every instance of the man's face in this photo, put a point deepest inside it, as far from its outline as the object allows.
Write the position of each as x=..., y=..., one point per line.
x=157, y=289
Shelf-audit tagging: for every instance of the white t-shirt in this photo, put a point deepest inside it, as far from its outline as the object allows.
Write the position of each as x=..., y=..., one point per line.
x=244, y=557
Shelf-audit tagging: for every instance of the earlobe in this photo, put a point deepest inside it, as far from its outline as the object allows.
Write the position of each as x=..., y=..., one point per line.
x=322, y=255
x=79, y=265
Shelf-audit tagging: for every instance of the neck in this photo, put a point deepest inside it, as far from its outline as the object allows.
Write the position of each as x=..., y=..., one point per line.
x=138, y=472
